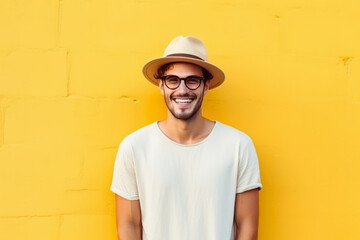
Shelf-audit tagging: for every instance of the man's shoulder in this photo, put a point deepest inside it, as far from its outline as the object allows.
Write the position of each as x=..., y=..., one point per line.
x=141, y=134
x=229, y=132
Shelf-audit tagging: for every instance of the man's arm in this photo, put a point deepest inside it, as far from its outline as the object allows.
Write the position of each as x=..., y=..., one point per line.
x=247, y=215
x=128, y=218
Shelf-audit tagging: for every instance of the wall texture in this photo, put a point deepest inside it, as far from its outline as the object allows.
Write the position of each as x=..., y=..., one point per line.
x=71, y=89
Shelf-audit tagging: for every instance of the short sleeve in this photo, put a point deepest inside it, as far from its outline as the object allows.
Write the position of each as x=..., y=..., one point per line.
x=248, y=169
x=124, y=177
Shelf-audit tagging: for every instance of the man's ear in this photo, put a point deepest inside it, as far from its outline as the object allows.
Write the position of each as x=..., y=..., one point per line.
x=161, y=86
x=207, y=86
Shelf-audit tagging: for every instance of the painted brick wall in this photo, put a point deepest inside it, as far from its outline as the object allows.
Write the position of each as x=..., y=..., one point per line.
x=71, y=89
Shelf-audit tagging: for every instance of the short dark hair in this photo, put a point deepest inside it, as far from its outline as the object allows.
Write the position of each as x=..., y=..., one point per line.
x=161, y=71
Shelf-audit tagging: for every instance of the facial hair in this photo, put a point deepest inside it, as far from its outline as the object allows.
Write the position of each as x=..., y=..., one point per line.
x=189, y=115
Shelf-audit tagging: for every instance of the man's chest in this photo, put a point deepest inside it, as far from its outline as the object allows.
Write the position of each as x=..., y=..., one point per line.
x=186, y=170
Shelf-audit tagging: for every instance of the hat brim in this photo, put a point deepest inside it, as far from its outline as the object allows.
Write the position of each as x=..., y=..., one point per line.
x=151, y=67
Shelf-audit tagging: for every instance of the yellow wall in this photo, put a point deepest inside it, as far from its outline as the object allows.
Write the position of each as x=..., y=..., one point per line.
x=71, y=88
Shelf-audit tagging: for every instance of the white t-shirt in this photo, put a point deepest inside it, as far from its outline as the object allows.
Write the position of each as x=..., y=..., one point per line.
x=186, y=192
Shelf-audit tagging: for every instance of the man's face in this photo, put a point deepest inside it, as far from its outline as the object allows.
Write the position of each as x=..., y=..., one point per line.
x=182, y=102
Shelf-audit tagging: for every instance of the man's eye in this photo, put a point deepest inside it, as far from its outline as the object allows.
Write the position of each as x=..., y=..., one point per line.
x=172, y=80
x=192, y=80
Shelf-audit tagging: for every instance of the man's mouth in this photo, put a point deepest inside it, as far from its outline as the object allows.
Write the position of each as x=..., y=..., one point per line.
x=183, y=100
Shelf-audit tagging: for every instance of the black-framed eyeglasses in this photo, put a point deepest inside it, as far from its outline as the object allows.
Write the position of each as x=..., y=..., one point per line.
x=192, y=82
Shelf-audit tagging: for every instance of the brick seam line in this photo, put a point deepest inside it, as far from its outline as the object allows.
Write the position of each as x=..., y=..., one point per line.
x=68, y=72
x=60, y=11
x=352, y=95
x=122, y=98
x=61, y=220
x=58, y=45
x=54, y=215
x=4, y=105
x=2, y=122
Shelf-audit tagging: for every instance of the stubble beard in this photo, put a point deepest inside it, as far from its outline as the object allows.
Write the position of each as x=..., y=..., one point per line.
x=185, y=116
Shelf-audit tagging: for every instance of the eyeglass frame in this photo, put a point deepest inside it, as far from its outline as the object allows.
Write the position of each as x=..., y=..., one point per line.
x=163, y=78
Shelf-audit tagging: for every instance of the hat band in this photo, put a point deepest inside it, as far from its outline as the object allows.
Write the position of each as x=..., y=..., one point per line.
x=184, y=55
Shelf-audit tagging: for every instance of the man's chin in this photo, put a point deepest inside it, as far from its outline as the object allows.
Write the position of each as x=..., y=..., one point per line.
x=183, y=115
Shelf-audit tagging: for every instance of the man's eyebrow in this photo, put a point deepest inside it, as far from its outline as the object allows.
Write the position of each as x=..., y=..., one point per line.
x=195, y=76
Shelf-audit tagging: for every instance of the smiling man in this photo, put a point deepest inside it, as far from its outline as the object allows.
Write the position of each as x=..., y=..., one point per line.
x=186, y=177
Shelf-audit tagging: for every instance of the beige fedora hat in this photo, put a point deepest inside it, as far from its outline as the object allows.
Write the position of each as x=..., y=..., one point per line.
x=187, y=49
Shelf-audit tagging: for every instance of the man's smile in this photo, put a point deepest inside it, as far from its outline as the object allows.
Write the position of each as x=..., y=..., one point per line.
x=183, y=99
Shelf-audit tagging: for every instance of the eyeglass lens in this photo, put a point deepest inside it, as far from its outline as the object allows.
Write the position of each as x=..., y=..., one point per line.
x=191, y=82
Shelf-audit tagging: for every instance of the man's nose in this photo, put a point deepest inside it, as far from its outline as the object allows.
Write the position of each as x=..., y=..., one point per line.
x=182, y=87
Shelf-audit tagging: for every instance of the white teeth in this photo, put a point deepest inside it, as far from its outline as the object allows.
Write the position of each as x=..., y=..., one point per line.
x=183, y=100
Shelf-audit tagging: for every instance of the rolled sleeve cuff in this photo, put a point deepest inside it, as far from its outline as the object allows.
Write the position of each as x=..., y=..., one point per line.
x=123, y=194
x=249, y=187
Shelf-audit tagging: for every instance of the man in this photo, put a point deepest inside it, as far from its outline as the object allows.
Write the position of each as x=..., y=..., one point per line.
x=186, y=177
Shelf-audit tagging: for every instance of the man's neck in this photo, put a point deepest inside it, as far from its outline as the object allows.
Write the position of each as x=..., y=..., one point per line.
x=186, y=131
